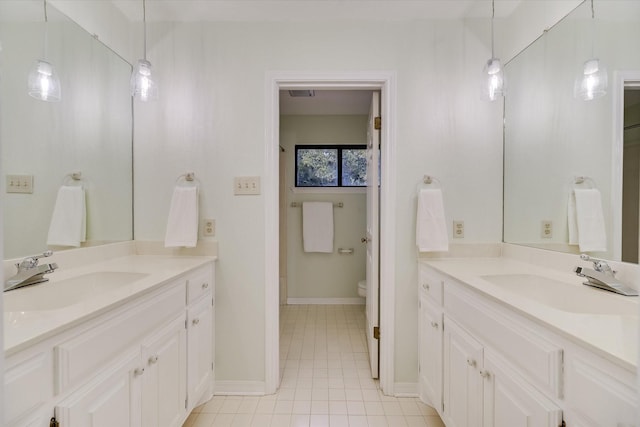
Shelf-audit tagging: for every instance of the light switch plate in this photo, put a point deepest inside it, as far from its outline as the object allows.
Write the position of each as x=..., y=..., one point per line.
x=246, y=185
x=20, y=184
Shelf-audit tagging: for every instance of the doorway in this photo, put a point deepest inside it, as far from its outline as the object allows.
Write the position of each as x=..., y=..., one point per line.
x=385, y=84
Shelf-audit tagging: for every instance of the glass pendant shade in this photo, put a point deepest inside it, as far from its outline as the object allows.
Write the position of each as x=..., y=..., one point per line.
x=43, y=82
x=592, y=81
x=143, y=87
x=493, y=84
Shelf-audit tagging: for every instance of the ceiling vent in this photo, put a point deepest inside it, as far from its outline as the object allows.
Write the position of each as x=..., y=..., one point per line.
x=302, y=93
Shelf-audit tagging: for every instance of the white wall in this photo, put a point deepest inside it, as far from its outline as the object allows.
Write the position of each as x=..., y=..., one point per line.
x=211, y=120
x=312, y=275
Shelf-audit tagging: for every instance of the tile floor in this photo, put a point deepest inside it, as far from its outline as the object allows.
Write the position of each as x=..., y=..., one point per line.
x=326, y=380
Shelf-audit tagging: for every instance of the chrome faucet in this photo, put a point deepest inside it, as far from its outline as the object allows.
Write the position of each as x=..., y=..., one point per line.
x=30, y=272
x=603, y=277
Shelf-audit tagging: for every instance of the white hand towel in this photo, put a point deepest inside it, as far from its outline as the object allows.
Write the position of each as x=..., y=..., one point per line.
x=431, y=228
x=182, y=225
x=68, y=221
x=572, y=220
x=590, y=220
x=317, y=226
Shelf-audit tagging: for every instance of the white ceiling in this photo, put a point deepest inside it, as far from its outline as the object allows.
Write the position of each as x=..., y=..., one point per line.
x=311, y=10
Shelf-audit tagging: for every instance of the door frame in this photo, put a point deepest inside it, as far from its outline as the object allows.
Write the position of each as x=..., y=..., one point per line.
x=385, y=82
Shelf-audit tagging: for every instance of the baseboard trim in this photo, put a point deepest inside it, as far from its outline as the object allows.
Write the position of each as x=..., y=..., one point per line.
x=239, y=388
x=405, y=390
x=326, y=301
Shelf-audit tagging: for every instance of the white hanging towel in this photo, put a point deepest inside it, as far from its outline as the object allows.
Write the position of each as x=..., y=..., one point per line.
x=317, y=226
x=572, y=219
x=68, y=221
x=589, y=221
x=431, y=227
x=182, y=225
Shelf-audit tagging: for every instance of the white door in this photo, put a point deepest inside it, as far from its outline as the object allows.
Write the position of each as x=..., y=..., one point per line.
x=372, y=238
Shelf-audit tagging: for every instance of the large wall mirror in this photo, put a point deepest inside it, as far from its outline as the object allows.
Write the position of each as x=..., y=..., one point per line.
x=550, y=138
x=88, y=131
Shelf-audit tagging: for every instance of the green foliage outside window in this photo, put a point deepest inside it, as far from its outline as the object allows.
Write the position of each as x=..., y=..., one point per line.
x=331, y=166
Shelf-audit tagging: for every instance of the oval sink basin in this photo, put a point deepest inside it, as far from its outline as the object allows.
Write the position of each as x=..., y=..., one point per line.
x=564, y=296
x=59, y=294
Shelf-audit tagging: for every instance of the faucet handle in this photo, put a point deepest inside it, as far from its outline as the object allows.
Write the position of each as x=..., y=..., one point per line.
x=32, y=261
x=598, y=264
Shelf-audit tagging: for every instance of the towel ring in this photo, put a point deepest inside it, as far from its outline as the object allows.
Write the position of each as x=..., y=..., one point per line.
x=429, y=180
x=579, y=180
x=189, y=177
x=73, y=178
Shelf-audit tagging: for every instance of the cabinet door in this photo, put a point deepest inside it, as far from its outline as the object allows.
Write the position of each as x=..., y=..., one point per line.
x=462, y=377
x=164, y=386
x=200, y=351
x=510, y=401
x=430, y=330
x=110, y=399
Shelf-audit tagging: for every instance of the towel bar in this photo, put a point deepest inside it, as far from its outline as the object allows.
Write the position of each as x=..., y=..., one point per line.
x=335, y=205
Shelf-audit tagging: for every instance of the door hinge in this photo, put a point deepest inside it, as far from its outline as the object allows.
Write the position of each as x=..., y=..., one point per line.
x=563, y=424
x=377, y=123
x=185, y=324
x=376, y=332
x=185, y=402
x=53, y=422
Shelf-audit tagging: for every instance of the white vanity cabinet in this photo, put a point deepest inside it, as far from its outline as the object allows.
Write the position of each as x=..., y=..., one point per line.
x=164, y=380
x=200, y=332
x=502, y=368
x=430, y=333
x=598, y=393
x=463, y=386
x=128, y=367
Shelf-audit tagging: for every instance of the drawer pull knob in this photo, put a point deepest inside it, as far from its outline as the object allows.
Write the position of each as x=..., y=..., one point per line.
x=485, y=374
x=195, y=321
x=471, y=362
x=426, y=286
x=153, y=359
x=205, y=285
x=138, y=372
x=434, y=324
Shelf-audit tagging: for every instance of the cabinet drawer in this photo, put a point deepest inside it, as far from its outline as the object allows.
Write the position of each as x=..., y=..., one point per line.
x=199, y=283
x=83, y=355
x=539, y=359
x=599, y=393
x=27, y=385
x=430, y=282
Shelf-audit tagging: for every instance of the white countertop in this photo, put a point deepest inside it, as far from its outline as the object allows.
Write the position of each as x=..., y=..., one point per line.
x=22, y=329
x=613, y=336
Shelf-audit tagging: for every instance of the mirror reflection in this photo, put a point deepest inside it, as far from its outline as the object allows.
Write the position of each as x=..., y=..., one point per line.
x=551, y=138
x=88, y=131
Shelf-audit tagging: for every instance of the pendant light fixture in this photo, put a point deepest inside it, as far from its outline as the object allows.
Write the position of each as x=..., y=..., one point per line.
x=143, y=87
x=43, y=82
x=493, y=83
x=592, y=80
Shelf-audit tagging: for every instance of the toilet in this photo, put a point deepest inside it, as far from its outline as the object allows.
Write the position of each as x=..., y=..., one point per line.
x=362, y=288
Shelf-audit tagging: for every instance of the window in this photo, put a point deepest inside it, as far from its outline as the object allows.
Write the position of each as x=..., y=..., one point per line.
x=331, y=165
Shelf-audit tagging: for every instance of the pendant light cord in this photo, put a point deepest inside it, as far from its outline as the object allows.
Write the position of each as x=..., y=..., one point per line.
x=46, y=30
x=493, y=15
x=144, y=22
x=593, y=30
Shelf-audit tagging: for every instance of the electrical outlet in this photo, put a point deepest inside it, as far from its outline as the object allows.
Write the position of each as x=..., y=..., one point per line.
x=546, y=229
x=246, y=185
x=20, y=184
x=458, y=229
x=209, y=227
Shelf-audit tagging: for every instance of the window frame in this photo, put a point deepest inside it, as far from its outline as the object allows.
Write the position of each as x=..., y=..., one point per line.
x=339, y=148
